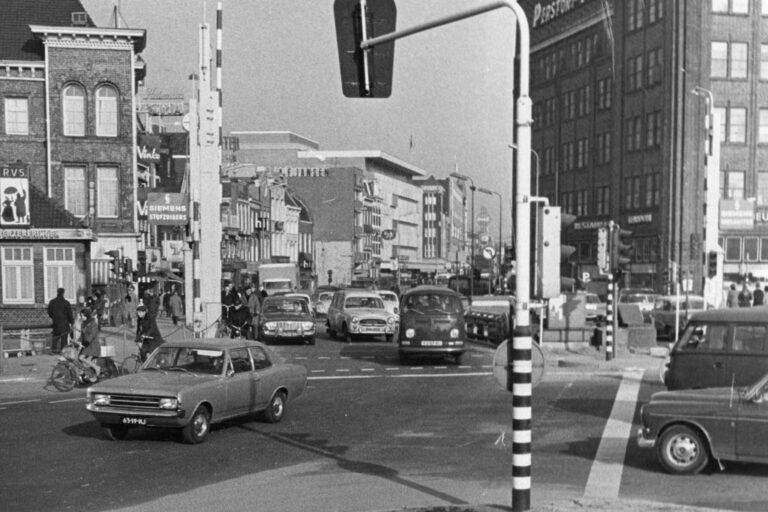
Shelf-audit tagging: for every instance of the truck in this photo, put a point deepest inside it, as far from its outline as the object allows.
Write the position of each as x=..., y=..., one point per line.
x=279, y=277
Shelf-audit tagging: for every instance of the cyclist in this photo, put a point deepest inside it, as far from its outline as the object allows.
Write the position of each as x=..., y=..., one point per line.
x=89, y=340
x=148, y=336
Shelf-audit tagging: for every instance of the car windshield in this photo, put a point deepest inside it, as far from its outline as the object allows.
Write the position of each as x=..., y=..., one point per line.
x=194, y=360
x=637, y=298
x=593, y=299
x=432, y=302
x=389, y=297
x=293, y=305
x=364, y=302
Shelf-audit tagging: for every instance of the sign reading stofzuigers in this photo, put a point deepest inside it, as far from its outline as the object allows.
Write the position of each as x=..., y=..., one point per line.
x=167, y=209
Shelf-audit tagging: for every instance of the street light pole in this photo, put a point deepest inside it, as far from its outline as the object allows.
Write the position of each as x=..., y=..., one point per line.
x=472, y=187
x=498, y=253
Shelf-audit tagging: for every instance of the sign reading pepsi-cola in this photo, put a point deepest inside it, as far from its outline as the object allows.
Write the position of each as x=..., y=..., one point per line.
x=388, y=234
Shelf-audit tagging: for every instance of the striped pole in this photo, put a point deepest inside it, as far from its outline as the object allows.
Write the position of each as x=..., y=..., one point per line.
x=609, y=319
x=219, y=19
x=196, y=265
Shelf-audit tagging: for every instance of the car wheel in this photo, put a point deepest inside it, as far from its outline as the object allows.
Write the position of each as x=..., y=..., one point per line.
x=458, y=359
x=682, y=451
x=198, y=427
x=347, y=335
x=311, y=341
x=389, y=337
x=276, y=409
x=115, y=432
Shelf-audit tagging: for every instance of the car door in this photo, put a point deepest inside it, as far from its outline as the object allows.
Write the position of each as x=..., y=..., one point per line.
x=748, y=355
x=265, y=376
x=242, y=383
x=700, y=359
x=752, y=428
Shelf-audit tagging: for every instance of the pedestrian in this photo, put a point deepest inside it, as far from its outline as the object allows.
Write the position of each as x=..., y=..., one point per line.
x=745, y=296
x=733, y=297
x=263, y=292
x=175, y=307
x=758, y=297
x=130, y=302
x=60, y=311
x=254, y=307
x=151, y=301
x=229, y=299
x=148, y=336
x=89, y=340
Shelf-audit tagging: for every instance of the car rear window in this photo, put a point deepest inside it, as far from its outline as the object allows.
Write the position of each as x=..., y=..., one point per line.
x=364, y=302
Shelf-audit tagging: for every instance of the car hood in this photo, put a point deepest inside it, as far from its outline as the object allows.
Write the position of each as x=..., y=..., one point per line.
x=288, y=317
x=152, y=382
x=707, y=395
x=369, y=313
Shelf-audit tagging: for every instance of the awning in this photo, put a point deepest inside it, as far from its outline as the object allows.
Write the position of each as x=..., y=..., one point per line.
x=164, y=275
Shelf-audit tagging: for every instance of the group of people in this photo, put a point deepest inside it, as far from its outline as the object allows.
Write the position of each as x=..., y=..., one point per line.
x=241, y=308
x=746, y=298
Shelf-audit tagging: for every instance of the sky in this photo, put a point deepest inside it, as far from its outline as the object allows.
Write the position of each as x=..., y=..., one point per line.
x=451, y=102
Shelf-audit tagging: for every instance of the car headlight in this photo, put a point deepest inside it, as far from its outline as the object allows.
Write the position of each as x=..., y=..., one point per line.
x=99, y=399
x=409, y=333
x=307, y=326
x=270, y=326
x=355, y=320
x=454, y=333
x=169, y=403
x=391, y=320
x=397, y=311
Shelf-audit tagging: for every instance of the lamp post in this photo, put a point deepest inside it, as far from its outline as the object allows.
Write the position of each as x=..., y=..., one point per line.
x=498, y=253
x=472, y=187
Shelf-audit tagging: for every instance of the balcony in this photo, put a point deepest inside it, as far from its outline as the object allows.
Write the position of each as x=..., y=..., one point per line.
x=230, y=222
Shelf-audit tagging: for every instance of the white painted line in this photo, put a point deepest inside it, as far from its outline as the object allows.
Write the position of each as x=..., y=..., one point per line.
x=464, y=366
x=605, y=475
x=441, y=367
x=342, y=369
x=367, y=369
x=391, y=369
x=344, y=357
x=301, y=357
x=318, y=371
x=402, y=376
x=417, y=367
x=81, y=399
x=323, y=357
x=20, y=402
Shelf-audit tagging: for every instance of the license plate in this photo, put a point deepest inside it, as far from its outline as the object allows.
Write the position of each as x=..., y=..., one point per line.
x=371, y=329
x=431, y=343
x=135, y=421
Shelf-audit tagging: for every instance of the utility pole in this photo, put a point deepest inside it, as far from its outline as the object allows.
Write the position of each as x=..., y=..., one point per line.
x=203, y=284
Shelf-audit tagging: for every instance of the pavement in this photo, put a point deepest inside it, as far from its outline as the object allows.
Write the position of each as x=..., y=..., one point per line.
x=20, y=376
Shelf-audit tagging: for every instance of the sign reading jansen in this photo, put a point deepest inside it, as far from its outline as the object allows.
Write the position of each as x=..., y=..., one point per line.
x=167, y=209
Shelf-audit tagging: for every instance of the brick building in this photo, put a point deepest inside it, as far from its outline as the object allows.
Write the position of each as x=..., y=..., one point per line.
x=67, y=119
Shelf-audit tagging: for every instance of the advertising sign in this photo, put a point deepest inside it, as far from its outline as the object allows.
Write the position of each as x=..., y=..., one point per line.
x=167, y=209
x=737, y=214
x=388, y=234
x=14, y=187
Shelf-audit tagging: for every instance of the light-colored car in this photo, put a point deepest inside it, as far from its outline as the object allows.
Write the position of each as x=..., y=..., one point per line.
x=286, y=318
x=190, y=385
x=671, y=309
x=321, y=302
x=391, y=302
x=595, y=309
x=643, y=298
x=355, y=312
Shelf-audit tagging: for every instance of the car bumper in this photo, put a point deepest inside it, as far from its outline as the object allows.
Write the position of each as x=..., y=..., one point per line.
x=306, y=336
x=415, y=349
x=643, y=441
x=373, y=331
x=130, y=418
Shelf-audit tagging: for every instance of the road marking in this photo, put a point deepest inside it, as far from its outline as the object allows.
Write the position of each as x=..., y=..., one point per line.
x=342, y=369
x=605, y=475
x=323, y=357
x=81, y=399
x=401, y=376
x=391, y=369
x=367, y=369
x=20, y=402
x=318, y=371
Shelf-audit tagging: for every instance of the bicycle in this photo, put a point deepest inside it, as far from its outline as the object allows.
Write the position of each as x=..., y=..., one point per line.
x=70, y=371
x=133, y=362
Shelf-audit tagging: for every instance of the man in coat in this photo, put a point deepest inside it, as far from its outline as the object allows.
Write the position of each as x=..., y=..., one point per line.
x=60, y=311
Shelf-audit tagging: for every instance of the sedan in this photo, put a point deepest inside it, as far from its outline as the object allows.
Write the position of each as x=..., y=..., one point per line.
x=673, y=311
x=687, y=427
x=286, y=318
x=190, y=385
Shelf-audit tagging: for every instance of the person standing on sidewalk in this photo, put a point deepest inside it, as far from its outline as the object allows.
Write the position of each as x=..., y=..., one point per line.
x=254, y=307
x=175, y=307
x=151, y=301
x=758, y=296
x=60, y=311
x=130, y=301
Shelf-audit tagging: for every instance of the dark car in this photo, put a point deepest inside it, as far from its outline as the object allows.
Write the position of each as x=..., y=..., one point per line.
x=688, y=427
x=490, y=317
x=431, y=323
x=286, y=318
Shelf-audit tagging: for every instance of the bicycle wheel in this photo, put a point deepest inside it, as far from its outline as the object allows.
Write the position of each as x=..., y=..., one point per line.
x=538, y=364
x=63, y=377
x=131, y=364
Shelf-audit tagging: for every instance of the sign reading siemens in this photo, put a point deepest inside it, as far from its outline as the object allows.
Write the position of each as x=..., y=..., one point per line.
x=549, y=11
x=167, y=209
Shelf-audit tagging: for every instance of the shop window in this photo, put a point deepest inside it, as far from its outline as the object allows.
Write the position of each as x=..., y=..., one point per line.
x=732, y=248
x=60, y=272
x=18, y=275
x=750, y=248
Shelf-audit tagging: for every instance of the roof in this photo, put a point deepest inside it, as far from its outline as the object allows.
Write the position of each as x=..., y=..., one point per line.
x=376, y=156
x=430, y=289
x=16, y=39
x=757, y=314
x=44, y=212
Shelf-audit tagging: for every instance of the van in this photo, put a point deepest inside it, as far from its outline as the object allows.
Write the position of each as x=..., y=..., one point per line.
x=431, y=323
x=720, y=347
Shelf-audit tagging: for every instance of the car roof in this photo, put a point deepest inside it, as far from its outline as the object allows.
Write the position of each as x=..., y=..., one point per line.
x=214, y=343
x=746, y=315
x=680, y=297
x=360, y=292
x=427, y=288
x=386, y=292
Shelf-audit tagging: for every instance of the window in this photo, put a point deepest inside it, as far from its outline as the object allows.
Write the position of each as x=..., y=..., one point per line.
x=604, y=148
x=74, y=110
x=719, y=5
x=764, y=249
x=732, y=248
x=750, y=248
x=106, y=111
x=603, y=200
x=635, y=14
x=585, y=100
x=719, y=59
x=604, y=93
x=721, y=113
x=739, y=60
x=737, y=124
x=764, y=7
x=732, y=185
x=635, y=73
x=653, y=129
x=655, y=10
x=75, y=193
x=18, y=275
x=582, y=153
x=16, y=116
x=764, y=57
x=655, y=58
x=634, y=133
x=762, y=132
x=652, y=190
x=762, y=188
x=731, y=6
x=107, y=192
x=59, y=272
x=729, y=60
x=632, y=193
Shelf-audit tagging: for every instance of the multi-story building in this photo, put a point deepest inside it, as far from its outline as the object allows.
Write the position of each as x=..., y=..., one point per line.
x=444, y=222
x=68, y=92
x=621, y=136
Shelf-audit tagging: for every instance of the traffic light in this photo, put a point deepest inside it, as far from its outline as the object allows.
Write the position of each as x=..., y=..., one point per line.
x=602, y=251
x=141, y=265
x=365, y=73
x=711, y=264
x=114, y=264
x=620, y=251
x=127, y=267
x=550, y=252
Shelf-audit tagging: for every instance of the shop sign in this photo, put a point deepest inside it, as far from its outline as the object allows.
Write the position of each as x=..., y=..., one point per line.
x=173, y=250
x=14, y=187
x=148, y=149
x=28, y=234
x=544, y=12
x=737, y=214
x=640, y=219
x=167, y=209
x=590, y=224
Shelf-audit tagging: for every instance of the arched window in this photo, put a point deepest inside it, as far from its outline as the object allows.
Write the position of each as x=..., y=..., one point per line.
x=74, y=110
x=106, y=111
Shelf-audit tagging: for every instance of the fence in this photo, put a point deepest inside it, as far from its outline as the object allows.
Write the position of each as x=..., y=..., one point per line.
x=21, y=340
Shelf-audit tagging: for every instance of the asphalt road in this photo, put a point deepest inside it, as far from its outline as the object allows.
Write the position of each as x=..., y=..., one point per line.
x=367, y=435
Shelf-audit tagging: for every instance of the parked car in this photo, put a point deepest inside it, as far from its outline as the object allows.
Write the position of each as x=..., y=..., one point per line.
x=431, y=324
x=321, y=302
x=670, y=311
x=391, y=302
x=644, y=298
x=286, y=318
x=688, y=427
x=595, y=308
x=489, y=317
x=355, y=312
x=190, y=385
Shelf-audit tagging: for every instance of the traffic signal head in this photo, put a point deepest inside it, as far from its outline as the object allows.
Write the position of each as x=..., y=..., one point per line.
x=127, y=267
x=711, y=264
x=365, y=73
x=550, y=252
x=114, y=263
x=602, y=250
x=141, y=264
x=620, y=250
